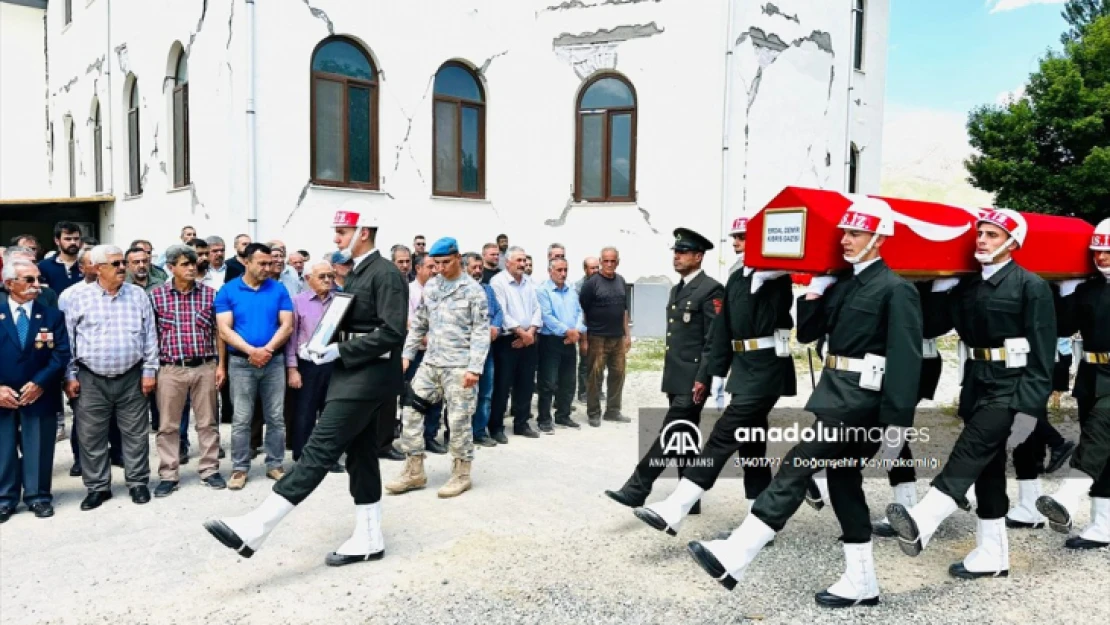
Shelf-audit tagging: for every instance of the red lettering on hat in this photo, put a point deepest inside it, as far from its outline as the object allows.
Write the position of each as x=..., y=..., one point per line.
x=859, y=221
x=740, y=223
x=1000, y=220
x=345, y=219
x=1100, y=240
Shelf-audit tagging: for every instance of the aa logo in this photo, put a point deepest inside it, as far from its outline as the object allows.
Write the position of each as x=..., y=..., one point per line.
x=680, y=438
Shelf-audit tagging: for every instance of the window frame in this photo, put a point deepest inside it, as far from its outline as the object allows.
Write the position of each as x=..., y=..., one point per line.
x=346, y=82
x=607, y=147
x=71, y=154
x=181, y=151
x=67, y=13
x=134, y=144
x=459, y=104
x=98, y=150
x=853, y=168
x=859, y=22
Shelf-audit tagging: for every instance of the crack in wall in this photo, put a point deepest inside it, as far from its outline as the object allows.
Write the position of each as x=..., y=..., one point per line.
x=66, y=87
x=561, y=220
x=297, y=206
x=408, y=131
x=772, y=10
x=486, y=64
x=623, y=32
x=321, y=15
x=48, y=127
x=200, y=25
x=98, y=65
x=194, y=198
x=123, y=58
x=578, y=4
x=230, y=21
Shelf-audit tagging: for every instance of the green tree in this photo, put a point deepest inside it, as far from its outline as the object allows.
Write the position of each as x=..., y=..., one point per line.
x=1079, y=14
x=1049, y=151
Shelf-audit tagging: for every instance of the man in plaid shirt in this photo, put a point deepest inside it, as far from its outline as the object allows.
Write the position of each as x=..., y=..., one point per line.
x=193, y=368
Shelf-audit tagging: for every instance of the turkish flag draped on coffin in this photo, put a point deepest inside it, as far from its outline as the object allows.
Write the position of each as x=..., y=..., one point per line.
x=797, y=231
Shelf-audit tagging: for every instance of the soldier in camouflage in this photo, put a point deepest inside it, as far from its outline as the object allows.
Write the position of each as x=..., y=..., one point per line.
x=454, y=318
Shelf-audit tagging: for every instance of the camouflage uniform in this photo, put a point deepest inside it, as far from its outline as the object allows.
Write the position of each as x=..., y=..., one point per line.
x=455, y=318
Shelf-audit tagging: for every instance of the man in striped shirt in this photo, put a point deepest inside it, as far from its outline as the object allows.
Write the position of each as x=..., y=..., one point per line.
x=113, y=369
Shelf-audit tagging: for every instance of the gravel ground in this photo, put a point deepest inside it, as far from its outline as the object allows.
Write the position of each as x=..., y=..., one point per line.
x=534, y=542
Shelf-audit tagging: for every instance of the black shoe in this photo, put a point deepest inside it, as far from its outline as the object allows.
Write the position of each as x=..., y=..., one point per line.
x=500, y=438
x=710, y=564
x=909, y=537
x=95, y=498
x=6, y=513
x=625, y=499
x=1077, y=542
x=485, y=441
x=826, y=599
x=75, y=470
x=568, y=423
x=573, y=408
x=337, y=468
x=1059, y=456
x=335, y=559
x=617, y=418
x=883, y=530
x=139, y=494
x=183, y=455
x=526, y=432
x=813, y=495
x=221, y=532
x=547, y=428
x=649, y=516
x=117, y=462
x=582, y=397
x=1022, y=525
x=594, y=421
x=433, y=446
x=1059, y=519
x=42, y=509
x=392, y=454
x=697, y=507
x=958, y=570
x=164, y=489
x=215, y=482
x=222, y=454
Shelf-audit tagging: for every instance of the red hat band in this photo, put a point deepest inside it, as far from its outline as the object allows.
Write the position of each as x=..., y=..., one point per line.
x=740, y=223
x=1000, y=220
x=1100, y=240
x=345, y=219
x=859, y=221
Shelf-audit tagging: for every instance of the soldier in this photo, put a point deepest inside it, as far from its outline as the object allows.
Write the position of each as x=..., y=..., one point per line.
x=454, y=316
x=363, y=390
x=1007, y=327
x=1084, y=311
x=751, y=337
x=691, y=308
x=864, y=402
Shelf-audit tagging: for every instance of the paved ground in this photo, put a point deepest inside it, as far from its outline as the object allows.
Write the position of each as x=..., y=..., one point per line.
x=534, y=542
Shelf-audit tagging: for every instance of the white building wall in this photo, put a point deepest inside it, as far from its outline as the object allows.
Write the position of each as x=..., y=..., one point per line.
x=788, y=118
x=23, y=130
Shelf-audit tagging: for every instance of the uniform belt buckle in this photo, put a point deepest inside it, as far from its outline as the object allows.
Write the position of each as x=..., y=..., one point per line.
x=1098, y=358
x=980, y=353
x=839, y=363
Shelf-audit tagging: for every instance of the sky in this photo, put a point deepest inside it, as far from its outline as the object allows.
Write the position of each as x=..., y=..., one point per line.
x=952, y=55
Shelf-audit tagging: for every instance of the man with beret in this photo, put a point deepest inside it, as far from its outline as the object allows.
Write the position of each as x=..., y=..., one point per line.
x=693, y=305
x=453, y=315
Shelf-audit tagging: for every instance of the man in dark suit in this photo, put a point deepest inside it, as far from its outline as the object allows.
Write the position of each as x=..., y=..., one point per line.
x=36, y=352
x=693, y=305
x=366, y=381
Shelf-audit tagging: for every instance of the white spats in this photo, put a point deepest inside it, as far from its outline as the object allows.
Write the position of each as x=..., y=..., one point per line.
x=1099, y=529
x=822, y=482
x=367, y=538
x=1074, y=486
x=858, y=583
x=933, y=509
x=739, y=550
x=991, y=555
x=255, y=526
x=1025, y=514
x=673, y=509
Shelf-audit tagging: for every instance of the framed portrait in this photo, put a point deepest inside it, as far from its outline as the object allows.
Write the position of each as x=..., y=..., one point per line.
x=325, y=330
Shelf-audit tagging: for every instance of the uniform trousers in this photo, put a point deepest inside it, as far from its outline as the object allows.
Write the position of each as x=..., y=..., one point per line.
x=1092, y=456
x=786, y=492
x=979, y=458
x=652, y=465
x=442, y=385
x=345, y=425
x=749, y=413
x=1030, y=455
x=903, y=474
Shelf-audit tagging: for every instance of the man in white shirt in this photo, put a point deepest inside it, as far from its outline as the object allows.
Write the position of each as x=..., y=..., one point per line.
x=515, y=352
x=217, y=270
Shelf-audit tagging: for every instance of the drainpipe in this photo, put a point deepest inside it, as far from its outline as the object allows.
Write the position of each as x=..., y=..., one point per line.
x=252, y=178
x=848, y=113
x=108, y=102
x=726, y=123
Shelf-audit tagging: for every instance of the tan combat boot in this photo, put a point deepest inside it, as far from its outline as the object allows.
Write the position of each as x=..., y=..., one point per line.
x=412, y=477
x=459, y=482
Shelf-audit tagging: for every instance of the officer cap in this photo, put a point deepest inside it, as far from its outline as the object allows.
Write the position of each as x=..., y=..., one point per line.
x=686, y=240
x=444, y=247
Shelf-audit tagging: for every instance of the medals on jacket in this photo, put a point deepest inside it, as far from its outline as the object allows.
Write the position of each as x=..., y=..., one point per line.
x=45, y=336
x=686, y=315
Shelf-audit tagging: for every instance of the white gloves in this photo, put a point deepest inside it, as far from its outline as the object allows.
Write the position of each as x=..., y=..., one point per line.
x=1067, y=287
x=944, y=285
x=894, y=438
x=820, y=283
x=1021, y=429
x=759, y=277
x=330, y=353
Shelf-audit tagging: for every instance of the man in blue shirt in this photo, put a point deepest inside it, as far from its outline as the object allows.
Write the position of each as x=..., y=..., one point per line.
x=255, y=317
x=62, y=270
x=563, y=325
x=485, y=383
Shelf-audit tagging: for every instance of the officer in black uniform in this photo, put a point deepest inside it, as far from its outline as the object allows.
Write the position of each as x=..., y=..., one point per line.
x=1007, y=325
x=364, y=387
x=751, y=337
x=691, y=308
x=865, y=400
x=1085, y=312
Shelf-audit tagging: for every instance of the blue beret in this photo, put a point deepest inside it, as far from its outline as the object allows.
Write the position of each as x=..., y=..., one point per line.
x=444, y=247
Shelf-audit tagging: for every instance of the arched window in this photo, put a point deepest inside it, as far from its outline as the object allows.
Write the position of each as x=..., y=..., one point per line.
x=344, y=115
x=71, y=143
x=98, y=149
x=459, y=137
x=181, y=123
x=67, y=12
x=853, y=169
x=605, y=156
x=133, y=158
x=857, y=24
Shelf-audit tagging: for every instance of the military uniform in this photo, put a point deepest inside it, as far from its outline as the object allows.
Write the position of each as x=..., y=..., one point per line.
x=693, y=304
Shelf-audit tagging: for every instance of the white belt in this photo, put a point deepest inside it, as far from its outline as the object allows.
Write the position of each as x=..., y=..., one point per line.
x=748, y=345
x=843, y=363
x=929, y=349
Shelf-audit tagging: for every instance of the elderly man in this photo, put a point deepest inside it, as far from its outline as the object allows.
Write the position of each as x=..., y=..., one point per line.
x=255, y=317
x=453, y=318
x=515, y=353
x=36, y=353
x=217, y=268
x=297, y=261
x=113, y=369
x=402, y=258
x=188, y=233
x=590, y=266
x=46, y=295
x=562, y=328
x=193, y=368
x=28, y=241
x=139, y=270
x=604, y=301
x=308, y=380
x=285, y=274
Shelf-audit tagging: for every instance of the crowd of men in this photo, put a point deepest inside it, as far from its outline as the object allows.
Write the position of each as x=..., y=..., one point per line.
x=135, y=342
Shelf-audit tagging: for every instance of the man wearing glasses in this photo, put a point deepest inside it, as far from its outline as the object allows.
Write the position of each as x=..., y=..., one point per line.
x=138, y=270
x=193, y=368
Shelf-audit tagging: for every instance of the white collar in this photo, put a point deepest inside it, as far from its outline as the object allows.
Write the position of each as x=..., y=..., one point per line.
x=359, y=259
x=26, y=306
x=990, y=270
x=690, y=278
x=222, y=268
x=858, y=267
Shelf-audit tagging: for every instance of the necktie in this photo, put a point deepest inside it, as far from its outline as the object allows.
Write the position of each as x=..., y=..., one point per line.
x=681, y=284
x=22, y=326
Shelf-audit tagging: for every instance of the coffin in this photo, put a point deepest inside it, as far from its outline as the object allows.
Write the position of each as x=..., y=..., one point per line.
x=797, y=231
